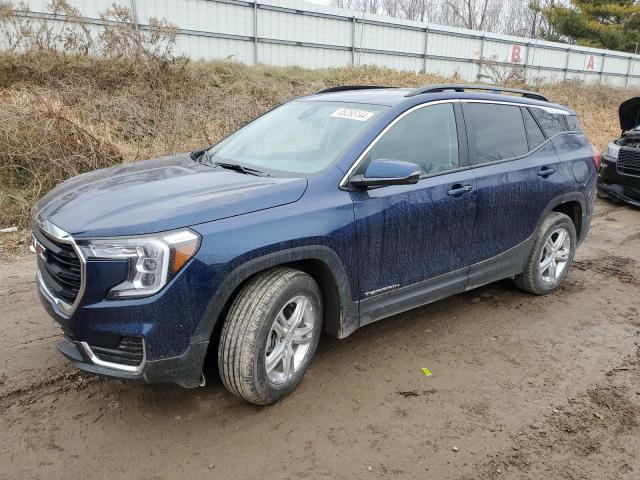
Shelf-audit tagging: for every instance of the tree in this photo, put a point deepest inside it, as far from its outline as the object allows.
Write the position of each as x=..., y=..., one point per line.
x=474, y=14
x=522, y=18
x=607, y=24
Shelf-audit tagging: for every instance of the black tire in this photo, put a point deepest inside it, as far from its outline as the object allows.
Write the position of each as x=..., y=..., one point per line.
x=243, y=339
x=532, y=279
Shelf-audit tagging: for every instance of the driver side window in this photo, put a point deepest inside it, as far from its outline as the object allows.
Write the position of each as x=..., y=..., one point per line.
x=427, y=137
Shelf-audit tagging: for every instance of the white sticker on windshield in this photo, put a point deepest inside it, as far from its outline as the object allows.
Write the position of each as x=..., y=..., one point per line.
x=352, y=114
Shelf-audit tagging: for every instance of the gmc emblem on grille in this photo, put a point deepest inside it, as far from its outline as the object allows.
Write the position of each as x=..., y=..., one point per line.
x=39, y=249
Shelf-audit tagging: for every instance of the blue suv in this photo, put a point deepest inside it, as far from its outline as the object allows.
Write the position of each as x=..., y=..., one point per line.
x=325, y=214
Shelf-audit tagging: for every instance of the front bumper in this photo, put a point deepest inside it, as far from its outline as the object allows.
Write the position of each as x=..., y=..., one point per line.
x=617, y=186
x=617, y=192
x=83, y=336
x=154, y=339
x=183, y=370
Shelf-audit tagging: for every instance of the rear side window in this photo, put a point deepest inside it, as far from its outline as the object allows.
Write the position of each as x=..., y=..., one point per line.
x=552, y=123
x=498, y=131
x=572, y=123
x=534, y=134
x=427, y=137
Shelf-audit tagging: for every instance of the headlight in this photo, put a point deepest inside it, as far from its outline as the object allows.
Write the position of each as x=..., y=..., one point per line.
x=612, y=150
x=153, y=260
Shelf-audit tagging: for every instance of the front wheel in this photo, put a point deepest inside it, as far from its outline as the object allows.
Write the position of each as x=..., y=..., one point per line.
x=551, y=255
x=270, y=335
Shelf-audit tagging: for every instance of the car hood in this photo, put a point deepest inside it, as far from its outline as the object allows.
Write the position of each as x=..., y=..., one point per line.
x=158, y=195
x=629, y=113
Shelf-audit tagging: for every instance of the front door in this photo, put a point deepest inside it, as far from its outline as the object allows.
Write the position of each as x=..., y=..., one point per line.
x=414, y=241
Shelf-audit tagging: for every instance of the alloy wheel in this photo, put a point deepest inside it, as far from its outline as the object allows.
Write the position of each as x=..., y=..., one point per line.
x=289, y=339
x=555, y=255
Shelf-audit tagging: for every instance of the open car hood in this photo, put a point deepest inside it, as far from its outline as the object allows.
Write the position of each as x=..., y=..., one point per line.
x=629, y=112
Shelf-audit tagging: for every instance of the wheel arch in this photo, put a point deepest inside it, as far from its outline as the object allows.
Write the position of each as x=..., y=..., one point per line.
x=573, y=210
x=321, y=273
x=574, y=206
x=321, y=262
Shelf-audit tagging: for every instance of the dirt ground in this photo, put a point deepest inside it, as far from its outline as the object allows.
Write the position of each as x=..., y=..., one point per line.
x=523, y=387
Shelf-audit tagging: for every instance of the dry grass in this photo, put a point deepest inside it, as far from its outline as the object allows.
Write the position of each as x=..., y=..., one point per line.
x=61, y=115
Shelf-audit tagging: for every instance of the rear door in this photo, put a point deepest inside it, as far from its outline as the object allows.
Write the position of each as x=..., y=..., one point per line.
x=518, y=173
x=414, y=240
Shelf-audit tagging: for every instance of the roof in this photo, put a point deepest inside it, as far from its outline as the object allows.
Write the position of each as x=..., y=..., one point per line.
x=396, y=96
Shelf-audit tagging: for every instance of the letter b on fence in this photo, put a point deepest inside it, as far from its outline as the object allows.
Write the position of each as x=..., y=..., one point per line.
x=515, y=54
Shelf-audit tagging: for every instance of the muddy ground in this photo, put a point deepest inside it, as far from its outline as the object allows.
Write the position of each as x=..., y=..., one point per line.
x=522, y=387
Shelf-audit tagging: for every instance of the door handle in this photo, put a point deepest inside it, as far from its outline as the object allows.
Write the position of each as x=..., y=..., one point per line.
x=459, y=190
x=544, y=172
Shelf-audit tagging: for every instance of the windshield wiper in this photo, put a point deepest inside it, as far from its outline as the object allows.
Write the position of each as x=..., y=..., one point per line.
x=241, y=168
x=200, y=155
x=203, y=157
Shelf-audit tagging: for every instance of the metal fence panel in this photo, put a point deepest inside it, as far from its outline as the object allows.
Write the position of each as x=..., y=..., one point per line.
x=294, y=32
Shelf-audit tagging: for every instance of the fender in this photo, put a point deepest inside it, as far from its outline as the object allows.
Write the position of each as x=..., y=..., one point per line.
x=348, y=320
x=564, y=198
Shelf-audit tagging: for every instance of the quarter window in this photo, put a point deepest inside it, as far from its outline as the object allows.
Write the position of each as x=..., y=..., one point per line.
x=498, y=131
x=572, y=122
x=551, y=123
x=535, y=135
x=427, y=137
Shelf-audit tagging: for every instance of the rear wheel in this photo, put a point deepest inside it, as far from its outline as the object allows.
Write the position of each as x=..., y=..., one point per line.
x=551, y=255
x=270, y=335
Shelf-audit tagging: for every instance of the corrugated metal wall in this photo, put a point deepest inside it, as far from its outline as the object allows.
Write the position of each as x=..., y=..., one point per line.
x=293, y=32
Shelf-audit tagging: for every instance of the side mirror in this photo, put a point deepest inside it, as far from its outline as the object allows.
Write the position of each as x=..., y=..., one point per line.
x=383, y=172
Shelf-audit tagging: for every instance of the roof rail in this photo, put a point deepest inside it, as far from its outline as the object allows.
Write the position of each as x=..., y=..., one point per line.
x=342, y=88
x=461, y=87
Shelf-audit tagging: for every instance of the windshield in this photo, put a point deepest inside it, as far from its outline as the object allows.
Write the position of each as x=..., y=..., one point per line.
x=298, y=137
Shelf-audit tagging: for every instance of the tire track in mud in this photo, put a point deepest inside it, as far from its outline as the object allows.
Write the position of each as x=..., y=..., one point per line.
x=612, y=266
x=61, y=382
x=564, y=442
x=35, y=340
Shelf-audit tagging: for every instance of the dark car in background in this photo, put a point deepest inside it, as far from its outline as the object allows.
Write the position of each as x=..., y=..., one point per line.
x=325, y=214
x=619, y=175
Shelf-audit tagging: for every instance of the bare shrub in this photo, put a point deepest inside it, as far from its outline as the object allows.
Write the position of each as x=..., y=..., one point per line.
x=123, y=37
x=501, y=73
x=64, y=31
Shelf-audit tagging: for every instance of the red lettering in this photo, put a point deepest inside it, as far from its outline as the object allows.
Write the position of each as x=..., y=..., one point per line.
x=515, y=53
x=591, y=62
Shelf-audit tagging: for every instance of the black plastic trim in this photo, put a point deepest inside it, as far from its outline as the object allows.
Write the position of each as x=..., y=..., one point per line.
x=461, y=87
x=184, y=370
x=412, y=296
x=348, y=308
x=342, y=88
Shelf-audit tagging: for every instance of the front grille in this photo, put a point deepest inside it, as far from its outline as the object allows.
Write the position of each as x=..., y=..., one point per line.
x=130, y=351
x=60, y=268
x=629, y=161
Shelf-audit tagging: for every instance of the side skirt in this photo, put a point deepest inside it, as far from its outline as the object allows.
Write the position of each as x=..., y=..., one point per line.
x=412, y=296
x=387, y=304
x=503, y=265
